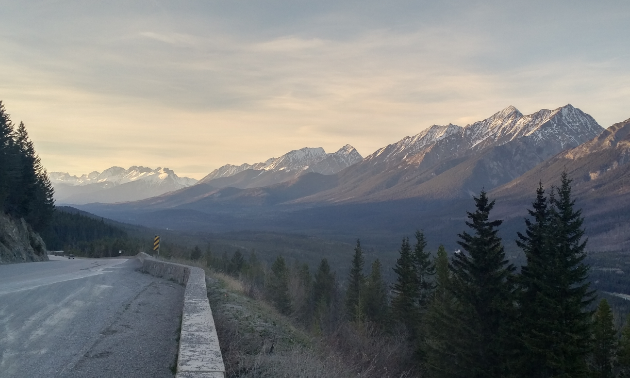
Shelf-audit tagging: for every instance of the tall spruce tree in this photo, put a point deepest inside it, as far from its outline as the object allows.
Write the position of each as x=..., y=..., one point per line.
x=534, y=334
x=25, y=189
x=356, y=284
x=405, y=289
x=604, y=342
x=324, y=285
x=324, y=288
x=623, y=351
x=442, y=322
x=483, y=286
x=278, y=286
x=571, y=293
x=376, y=308
x=425, y=270
x=9, y=167
x=23, y=202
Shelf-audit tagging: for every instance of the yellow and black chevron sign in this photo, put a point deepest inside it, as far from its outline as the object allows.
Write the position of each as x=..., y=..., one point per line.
x=156, y=243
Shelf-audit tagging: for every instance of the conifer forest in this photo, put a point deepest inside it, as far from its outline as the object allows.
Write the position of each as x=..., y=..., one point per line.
x=474, y=314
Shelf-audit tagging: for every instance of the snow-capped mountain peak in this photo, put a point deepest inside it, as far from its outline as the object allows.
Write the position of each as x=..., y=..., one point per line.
x=409, y=146
x=304, y=159
x=117, y=175
x=296, y=160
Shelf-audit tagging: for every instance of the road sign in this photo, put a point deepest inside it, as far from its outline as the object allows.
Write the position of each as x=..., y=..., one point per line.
x=156, y=244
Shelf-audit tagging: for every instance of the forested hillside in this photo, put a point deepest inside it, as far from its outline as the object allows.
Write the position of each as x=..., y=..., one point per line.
x=25, y=190
x=83, y=234
x=475, y=314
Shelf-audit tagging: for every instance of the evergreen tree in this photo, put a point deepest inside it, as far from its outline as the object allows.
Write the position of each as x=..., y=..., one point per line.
x=278, y=286
x=442, y=321
x=538, y=311
x=324, y=289
x=195, y=254
x=209, y=257
x=571, y=293
x=45, y=202
x=483, y=286
x=25, y=190
x=405, y=289
x=375, y=301
x=9, y=168
x=324, y=285
x=305, y=304
x=604, y=342
x=425, y=270
x=237, y=263
x=623, y=351
x=356, y=283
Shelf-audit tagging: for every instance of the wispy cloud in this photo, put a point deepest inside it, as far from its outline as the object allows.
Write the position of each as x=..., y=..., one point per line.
x=201, y=84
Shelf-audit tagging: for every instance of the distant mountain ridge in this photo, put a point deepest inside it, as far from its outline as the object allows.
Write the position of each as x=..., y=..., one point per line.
x=441, y=162
x=284, y=168
x=118, y=175
x=116, y=184
x=425, y=182
x=305, y=159
x=453, y=161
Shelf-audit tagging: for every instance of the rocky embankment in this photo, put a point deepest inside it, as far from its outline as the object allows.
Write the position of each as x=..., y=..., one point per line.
x=19, y=243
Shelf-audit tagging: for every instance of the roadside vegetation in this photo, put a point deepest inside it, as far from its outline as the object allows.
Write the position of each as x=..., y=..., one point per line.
x=471, y=315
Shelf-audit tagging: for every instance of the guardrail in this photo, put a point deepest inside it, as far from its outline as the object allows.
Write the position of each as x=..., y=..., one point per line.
x=199, y=351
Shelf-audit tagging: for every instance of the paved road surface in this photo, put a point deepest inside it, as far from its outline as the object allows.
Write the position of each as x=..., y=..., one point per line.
x=87, y=318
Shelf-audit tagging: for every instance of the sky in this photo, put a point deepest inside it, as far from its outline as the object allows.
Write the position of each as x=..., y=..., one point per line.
x=193, y=85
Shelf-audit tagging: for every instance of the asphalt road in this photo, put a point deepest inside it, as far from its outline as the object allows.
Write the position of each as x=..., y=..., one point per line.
x=87, y=318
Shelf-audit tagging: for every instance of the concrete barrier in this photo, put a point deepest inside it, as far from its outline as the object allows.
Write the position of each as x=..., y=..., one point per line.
x=199, y=351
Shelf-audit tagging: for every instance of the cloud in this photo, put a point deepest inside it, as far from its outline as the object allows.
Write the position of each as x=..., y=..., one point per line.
x=201, y=84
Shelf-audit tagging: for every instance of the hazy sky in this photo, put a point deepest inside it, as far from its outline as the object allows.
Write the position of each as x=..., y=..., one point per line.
x=193, y=85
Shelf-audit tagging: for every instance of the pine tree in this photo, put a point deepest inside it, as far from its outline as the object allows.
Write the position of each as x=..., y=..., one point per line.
x=571, y=292
x=324, y=285
x=30, y=193
x=375, y=301
x=538, y=312
x=195, y=254
x=425, y=270
x=323, y=294
x=604, y=342
x=442, y=320
x=24, y=199
x=9, y=167
x=483, y=286
x=356, y=284
x=278, y=286
x=45, y=201
x=304, y=304
x=237, y=263
x=623, y=351
x=405, y=297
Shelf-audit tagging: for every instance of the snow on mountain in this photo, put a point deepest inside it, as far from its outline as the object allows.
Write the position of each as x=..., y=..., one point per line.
x=567, y=125
x=116, y=176
x=409, y=146
x=305, y=159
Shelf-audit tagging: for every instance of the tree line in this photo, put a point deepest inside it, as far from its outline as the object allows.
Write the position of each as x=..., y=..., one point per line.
x=87, y=236
x=471, y=315
x=25, y=189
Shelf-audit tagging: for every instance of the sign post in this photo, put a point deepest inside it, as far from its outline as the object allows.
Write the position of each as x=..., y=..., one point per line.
x=156, y=244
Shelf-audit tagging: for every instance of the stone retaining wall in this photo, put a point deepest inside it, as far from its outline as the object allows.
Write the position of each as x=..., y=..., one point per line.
x=199, y=351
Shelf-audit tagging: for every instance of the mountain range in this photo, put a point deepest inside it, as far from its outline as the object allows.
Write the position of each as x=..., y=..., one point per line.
x=286, y=167
x=116, y=184
x=422, y=181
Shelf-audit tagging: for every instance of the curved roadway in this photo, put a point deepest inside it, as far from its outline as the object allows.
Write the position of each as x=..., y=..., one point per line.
x=87, y=318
